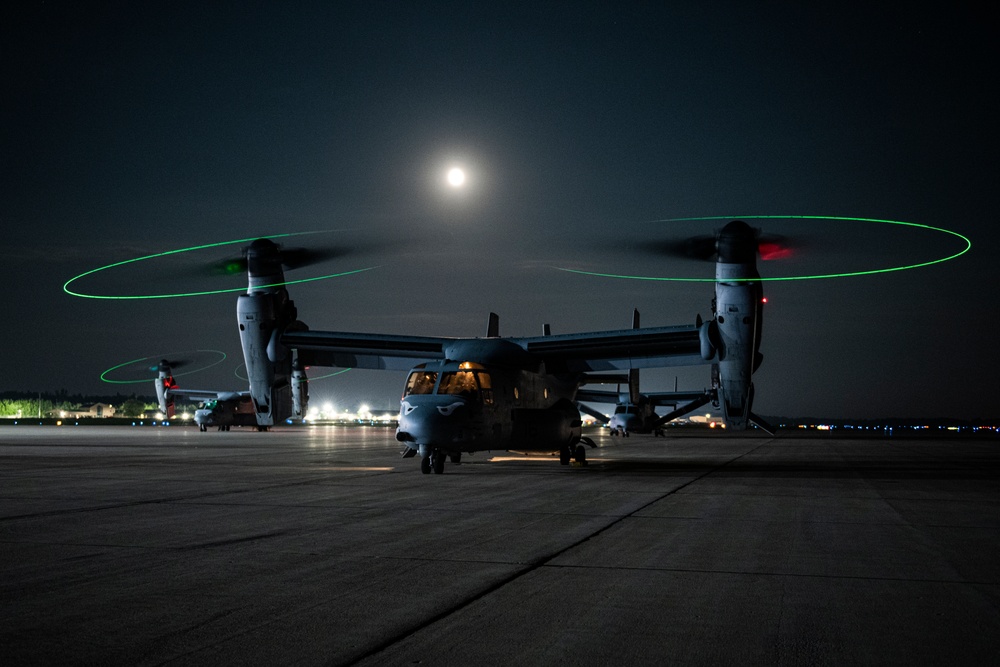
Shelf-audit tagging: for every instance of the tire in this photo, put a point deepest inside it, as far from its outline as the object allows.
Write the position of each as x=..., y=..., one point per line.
x=564, y=455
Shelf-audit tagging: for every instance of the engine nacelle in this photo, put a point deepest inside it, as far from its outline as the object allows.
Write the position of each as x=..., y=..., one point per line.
x=300, y=391
x=258, y=322
x=738, y=321
x=708, y=333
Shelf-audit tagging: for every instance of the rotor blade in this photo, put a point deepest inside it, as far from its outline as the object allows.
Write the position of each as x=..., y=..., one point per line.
x=171, y=364
x=695, y=247
x=296, y=258
x=228, y=267
x=775, y=246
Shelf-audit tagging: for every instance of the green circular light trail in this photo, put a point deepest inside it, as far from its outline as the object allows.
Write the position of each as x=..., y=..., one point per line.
x=201, y=293
x=218, y=361
x=968, y=245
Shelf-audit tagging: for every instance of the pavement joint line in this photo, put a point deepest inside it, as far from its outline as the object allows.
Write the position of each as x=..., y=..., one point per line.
x=534, y=565
x=795, y=575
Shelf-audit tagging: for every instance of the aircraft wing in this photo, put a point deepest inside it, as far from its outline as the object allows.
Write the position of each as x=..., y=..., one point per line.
x=360, y=350
x=598, y=395
x=205, y=393
x=673, y=397
x=623, y=349
x=651, y=347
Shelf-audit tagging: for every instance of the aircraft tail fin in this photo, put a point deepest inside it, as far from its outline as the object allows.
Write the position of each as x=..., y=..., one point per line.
x=633, y=373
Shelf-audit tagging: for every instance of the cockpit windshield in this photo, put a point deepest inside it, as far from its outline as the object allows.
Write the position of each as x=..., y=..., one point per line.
x=626, y=410
x=467, y=383
x=458, y=382
x=420, y=382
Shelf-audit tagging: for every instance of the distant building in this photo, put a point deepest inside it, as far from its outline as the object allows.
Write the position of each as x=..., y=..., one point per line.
x=95, y=410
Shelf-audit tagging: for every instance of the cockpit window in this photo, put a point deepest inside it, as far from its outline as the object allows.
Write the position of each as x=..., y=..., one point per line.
x=461, y=382
x=626, y=410
x=486, y=385
x=484, y=380
x=420, y=382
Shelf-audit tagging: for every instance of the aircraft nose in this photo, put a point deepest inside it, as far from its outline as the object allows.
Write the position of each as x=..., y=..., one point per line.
x=433, y=420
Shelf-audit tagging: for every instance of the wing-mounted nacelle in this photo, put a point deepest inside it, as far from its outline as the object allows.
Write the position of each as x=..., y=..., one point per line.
x=300, y=389
x=734, y=334
x=164, y=382
x=263, y=314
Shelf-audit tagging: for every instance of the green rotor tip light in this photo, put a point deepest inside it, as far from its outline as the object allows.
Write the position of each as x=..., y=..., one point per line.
x=965, y=240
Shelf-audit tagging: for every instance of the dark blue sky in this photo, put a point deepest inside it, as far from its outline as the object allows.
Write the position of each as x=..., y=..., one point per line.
x=128, y=130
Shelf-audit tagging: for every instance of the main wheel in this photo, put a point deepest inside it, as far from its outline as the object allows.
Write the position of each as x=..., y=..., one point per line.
x=437, y=458
x=425, y=464
x=580, y=455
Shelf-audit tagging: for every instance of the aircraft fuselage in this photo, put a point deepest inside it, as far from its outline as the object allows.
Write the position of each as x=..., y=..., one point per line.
x=464, y=406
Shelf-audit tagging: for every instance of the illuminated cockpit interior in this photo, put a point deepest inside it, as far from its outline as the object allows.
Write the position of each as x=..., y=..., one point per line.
x=420, y=382
x=469, y=383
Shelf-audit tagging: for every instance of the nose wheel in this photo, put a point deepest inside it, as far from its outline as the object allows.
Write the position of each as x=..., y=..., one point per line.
x=433, y=461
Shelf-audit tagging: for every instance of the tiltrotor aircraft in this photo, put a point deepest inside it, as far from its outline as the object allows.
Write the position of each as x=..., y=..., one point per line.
x=222, y=409
x=635, y=411
x=495, y=393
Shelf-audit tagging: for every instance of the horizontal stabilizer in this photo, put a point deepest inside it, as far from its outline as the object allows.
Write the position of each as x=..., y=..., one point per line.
x=757, y=421
x=684, y=409
x=604, y=419
x=604, y=378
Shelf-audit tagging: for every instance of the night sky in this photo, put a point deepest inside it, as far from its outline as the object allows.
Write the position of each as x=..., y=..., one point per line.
x=128, y=130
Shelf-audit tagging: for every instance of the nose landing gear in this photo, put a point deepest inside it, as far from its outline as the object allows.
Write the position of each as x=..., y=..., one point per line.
x=433, y=461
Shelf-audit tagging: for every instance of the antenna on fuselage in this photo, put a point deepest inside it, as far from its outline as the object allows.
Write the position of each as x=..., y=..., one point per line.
x=493, y=327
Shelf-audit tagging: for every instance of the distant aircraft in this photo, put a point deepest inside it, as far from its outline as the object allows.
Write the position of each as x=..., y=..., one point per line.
x=635, y=411
x=223, y=409
x=495, y=393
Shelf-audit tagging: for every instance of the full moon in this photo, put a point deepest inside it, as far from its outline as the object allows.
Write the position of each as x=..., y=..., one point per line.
x=456, y=177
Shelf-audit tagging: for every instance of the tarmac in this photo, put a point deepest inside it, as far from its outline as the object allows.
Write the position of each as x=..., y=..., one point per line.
x=321, y=546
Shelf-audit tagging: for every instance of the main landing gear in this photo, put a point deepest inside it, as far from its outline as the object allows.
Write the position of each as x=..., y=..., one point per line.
x=578, y=454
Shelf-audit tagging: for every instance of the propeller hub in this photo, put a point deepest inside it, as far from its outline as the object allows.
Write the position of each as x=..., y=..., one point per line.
x=263, y=259
x=737, y=243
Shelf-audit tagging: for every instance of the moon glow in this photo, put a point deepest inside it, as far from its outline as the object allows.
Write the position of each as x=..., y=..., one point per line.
x=456, y=177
